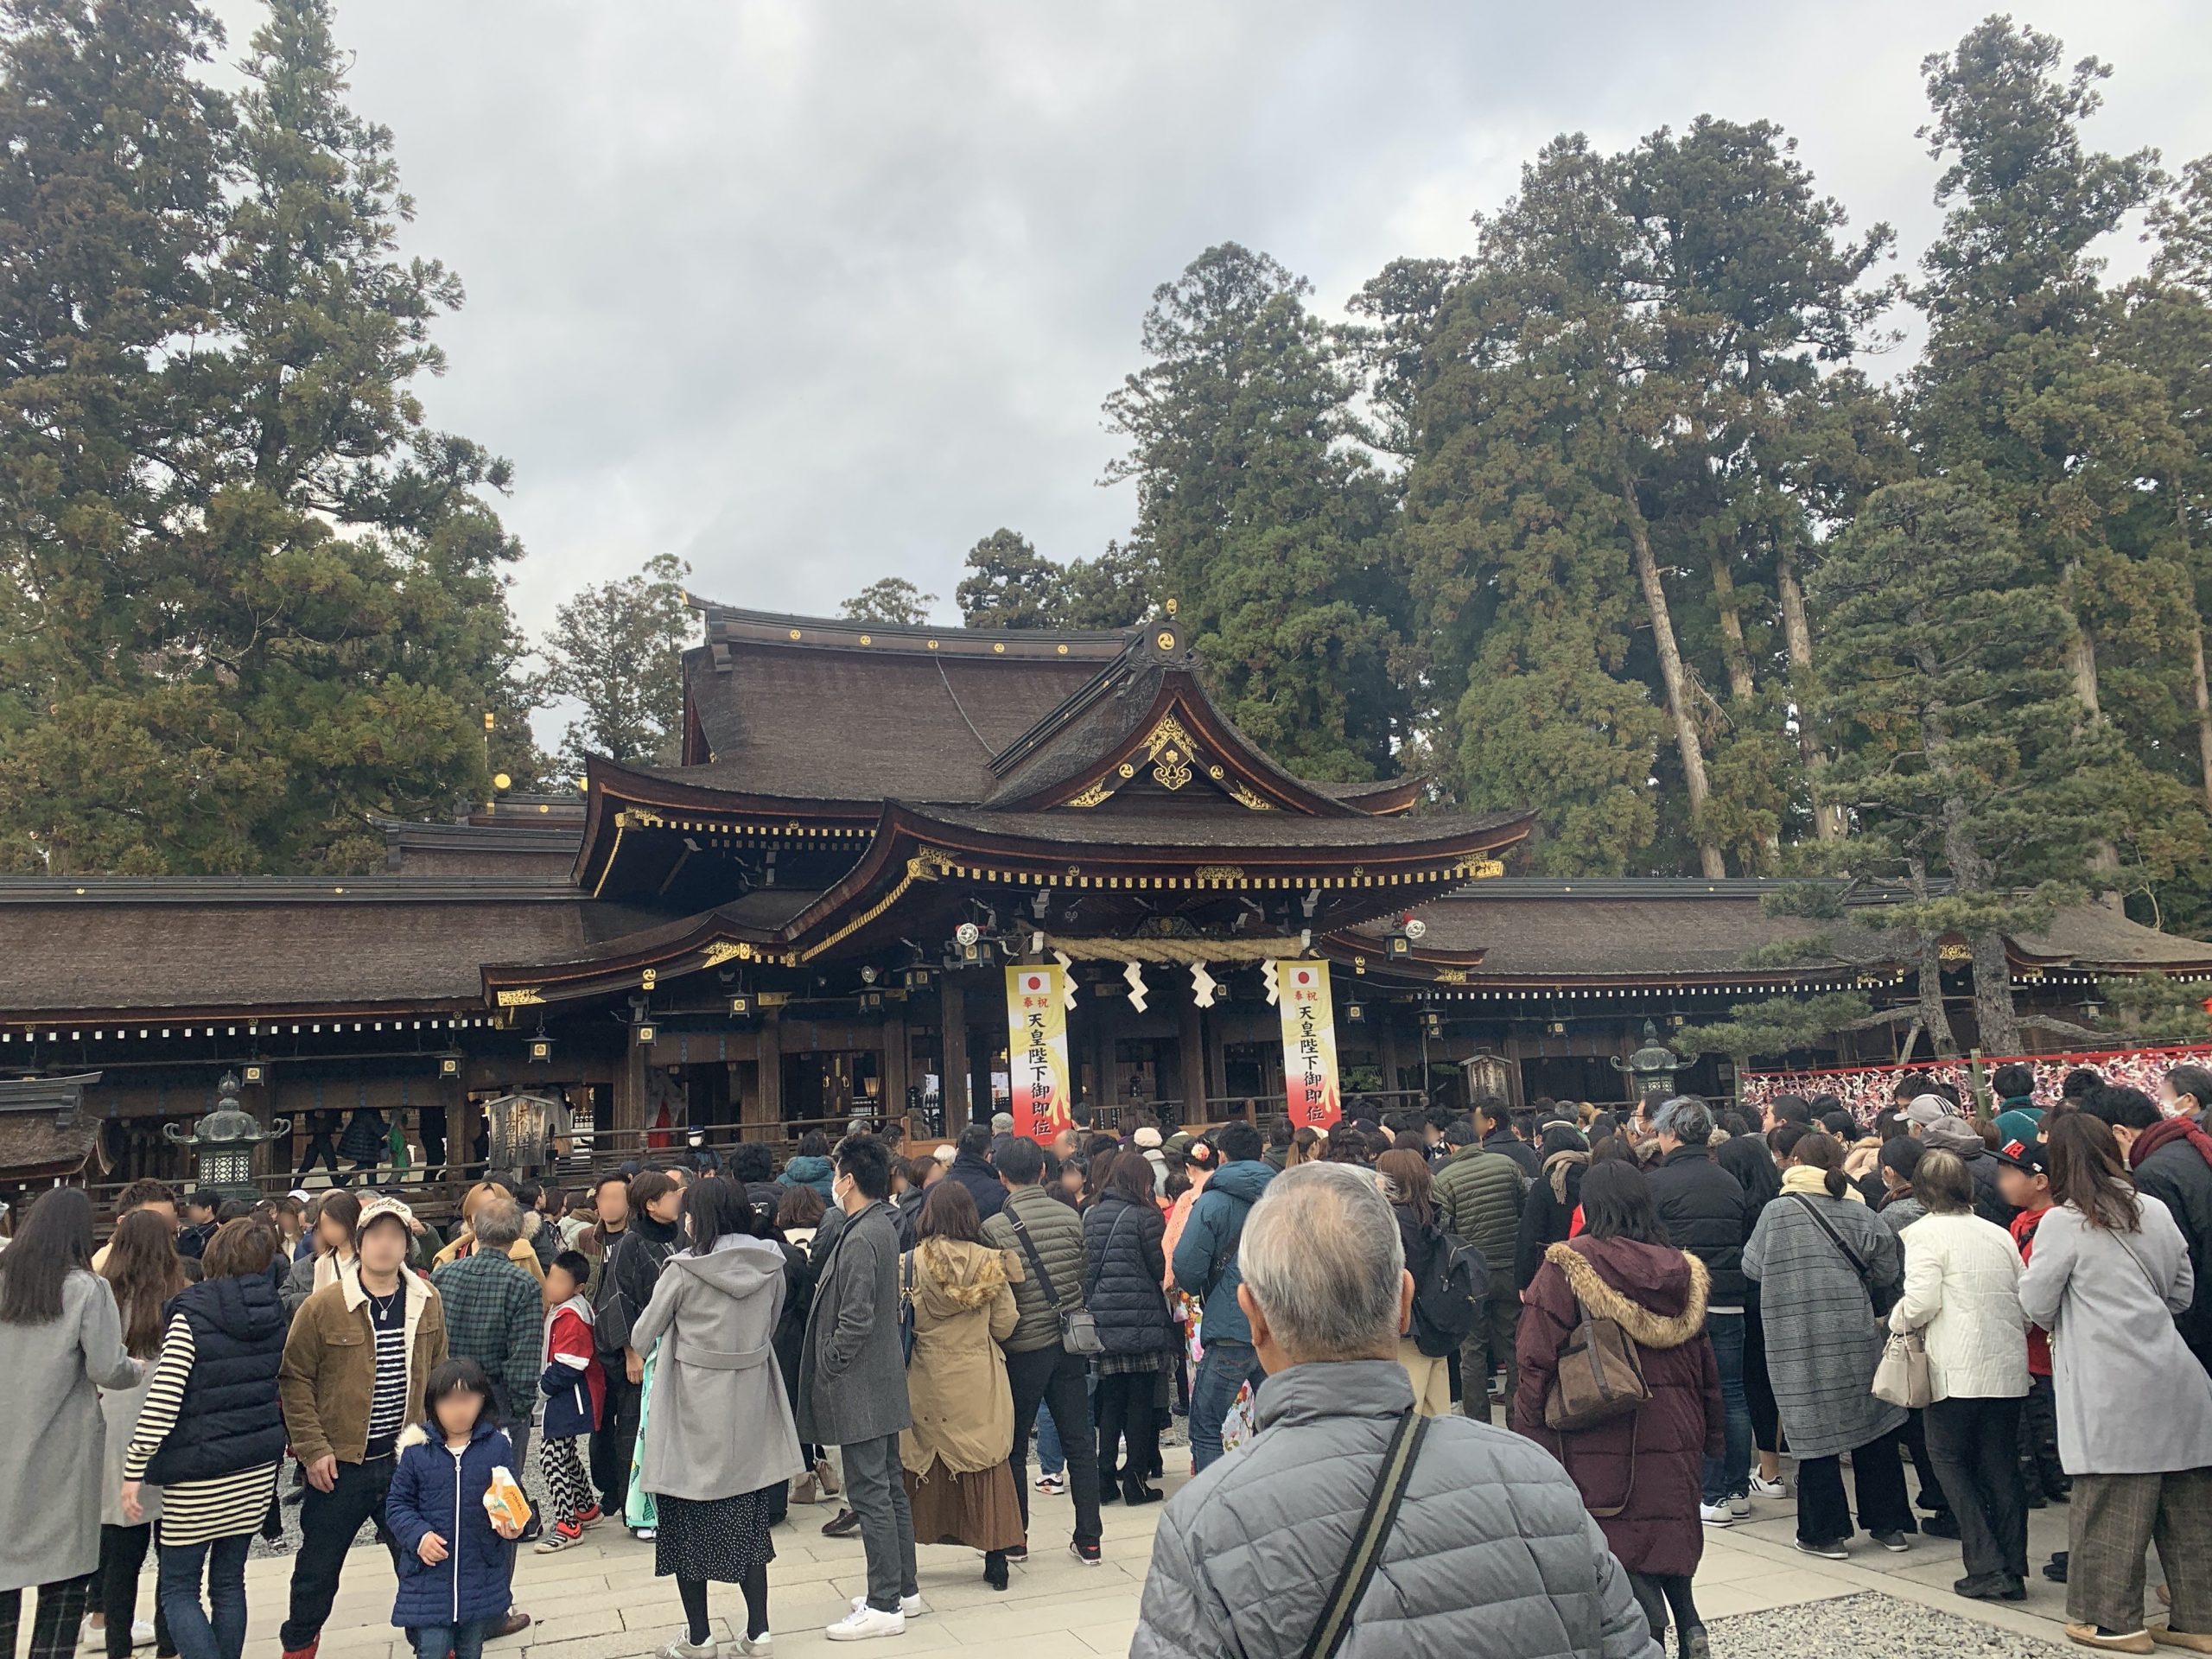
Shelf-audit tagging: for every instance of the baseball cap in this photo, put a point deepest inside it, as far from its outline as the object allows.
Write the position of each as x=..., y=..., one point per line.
x=382, y=1208
x=1923, y=1110
x=2031, y=1156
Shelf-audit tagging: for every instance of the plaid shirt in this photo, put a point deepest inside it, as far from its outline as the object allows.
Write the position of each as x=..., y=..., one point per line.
x=495, y=1315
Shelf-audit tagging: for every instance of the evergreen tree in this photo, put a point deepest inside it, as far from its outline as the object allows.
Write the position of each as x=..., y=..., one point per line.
x=1520, y=575
x=1009, y=586
x=1963, y=754
x=1114, y=591
x=616, y=650
x=893, y=601
x=1265, y=520
x=110, y=214
x=300, y=618
x=2017, y=394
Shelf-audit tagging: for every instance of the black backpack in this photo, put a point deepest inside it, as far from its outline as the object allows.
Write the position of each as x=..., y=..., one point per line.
x=1448, y=1293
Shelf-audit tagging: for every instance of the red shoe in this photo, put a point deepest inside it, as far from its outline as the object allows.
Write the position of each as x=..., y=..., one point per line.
x=590, y=1518
x=308, y=1652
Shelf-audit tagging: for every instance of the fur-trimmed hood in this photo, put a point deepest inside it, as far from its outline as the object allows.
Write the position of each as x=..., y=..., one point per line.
x=1654, y=1294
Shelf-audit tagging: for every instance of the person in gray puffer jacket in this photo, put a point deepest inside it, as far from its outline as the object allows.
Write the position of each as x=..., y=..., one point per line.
x=1492, y=1554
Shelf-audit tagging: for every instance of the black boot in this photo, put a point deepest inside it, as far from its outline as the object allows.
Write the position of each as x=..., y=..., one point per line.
x=1135, y=1491
x=995, y=1573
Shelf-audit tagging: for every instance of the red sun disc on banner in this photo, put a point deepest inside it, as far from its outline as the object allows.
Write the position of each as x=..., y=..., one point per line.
x=1033, y=983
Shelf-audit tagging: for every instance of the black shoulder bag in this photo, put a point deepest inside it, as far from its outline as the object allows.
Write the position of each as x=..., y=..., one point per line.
x=1079, y=1331
x=1381, y=1513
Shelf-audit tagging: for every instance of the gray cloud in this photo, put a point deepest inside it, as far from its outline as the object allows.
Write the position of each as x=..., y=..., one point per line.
x=812, y=294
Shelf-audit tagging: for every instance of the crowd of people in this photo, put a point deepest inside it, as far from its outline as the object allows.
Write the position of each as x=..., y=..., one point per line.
x=2011, y=1300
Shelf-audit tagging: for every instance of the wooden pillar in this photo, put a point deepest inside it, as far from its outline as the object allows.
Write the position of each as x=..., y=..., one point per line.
x=1385, y=1013
x=462, y=1117
x=630, y=1090
x=953, y=1015
x=891, y=1068
x=769, y=1090
x=1192, y=1041
x=1218, y=1058
x=1101, y=1050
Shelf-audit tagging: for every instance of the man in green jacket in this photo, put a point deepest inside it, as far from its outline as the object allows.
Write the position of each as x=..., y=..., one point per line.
x=1478, y=1195
x=1046, y=1237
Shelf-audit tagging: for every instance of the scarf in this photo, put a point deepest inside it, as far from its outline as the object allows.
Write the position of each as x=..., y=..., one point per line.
x=1555, y=1168
x=1803, y=1178
x=2164, y=1134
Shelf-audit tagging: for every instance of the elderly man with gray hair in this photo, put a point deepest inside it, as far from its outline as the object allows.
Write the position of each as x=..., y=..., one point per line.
x=1707, y=1213
x=495, y=1315
x=1484, y=1549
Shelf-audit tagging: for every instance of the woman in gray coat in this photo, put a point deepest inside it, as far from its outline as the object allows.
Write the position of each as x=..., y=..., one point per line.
x=61, y=1342
x=719, y=1441
x=1821, y=1259
x=2109, y=1273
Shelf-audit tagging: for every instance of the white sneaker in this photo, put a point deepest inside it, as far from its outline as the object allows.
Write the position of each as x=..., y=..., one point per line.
x=1739, y=1506
x=90, y=1635
x=142, y=1633
x=683, y=1648
x=865, y=1623
x=909, y=1606
x=1716, y=1514
x=1762, y=1487
x=763, y=1642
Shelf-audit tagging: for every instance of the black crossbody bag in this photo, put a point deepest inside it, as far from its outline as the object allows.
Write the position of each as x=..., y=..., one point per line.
x=1381, y=1513
x=1079, y=1331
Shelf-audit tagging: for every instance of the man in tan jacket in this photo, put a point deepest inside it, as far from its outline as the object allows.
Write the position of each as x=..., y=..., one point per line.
x=356, y=1364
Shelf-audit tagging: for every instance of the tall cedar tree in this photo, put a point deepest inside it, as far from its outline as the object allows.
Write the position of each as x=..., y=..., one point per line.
x=616, y=651
x=1265, y=517
x=289, y=610
x=1522, y=596
x=1963, y=750
x=1010, y=586
x=1628, y=382
x=893, y=600
x=2022, y=397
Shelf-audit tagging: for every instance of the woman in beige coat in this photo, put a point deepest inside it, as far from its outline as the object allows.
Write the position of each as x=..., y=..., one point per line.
x=959, y=1481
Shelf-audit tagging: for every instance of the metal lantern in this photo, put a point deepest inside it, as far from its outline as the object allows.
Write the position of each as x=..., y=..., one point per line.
x=224, y=1142
x=1652, y=1067
x=1488, y=1074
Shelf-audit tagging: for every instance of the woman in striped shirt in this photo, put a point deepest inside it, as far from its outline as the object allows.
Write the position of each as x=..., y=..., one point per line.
x=211, y=1435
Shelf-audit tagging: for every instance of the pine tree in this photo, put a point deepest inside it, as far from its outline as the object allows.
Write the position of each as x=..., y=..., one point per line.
x=616, y=651
x=1265, y=519
x=1963, y=754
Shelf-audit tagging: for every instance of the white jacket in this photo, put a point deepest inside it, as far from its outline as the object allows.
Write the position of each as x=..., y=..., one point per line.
x=1961, y=1292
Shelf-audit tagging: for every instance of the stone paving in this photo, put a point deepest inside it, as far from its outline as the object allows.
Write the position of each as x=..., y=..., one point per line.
x=601, y=1600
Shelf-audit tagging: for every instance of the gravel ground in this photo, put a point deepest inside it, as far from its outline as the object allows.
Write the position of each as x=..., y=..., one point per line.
x=1867, y=1623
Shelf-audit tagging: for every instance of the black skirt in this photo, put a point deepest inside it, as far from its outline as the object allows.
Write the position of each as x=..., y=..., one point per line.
x=721, y=1539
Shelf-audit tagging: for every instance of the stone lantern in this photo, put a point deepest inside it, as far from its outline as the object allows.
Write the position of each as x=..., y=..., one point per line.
x=224, y=1143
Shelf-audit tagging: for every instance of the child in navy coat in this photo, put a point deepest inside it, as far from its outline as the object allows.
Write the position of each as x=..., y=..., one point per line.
x=576, y=1393
x=456, y=1566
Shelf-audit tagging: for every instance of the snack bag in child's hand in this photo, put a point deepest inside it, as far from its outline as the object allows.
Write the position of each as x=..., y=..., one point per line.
x=505, y=1502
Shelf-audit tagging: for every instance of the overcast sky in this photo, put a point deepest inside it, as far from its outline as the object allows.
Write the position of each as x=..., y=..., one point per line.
x=810, y=294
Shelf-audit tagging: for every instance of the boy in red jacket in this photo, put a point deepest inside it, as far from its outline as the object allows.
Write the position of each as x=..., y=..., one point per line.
x=2024, y=1182
x=576, y=1393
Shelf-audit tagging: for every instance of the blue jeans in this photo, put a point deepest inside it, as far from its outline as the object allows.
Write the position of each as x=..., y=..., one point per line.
x=217, y=1630
x=1052, y=1457
x=464, y=1639
x=1730, y=1475
x=1222, y=1370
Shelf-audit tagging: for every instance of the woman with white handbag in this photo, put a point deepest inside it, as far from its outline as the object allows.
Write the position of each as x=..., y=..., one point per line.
x=1961, y=1300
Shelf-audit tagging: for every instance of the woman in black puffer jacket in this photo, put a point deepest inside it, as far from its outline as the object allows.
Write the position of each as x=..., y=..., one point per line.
x=1124, y=1268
